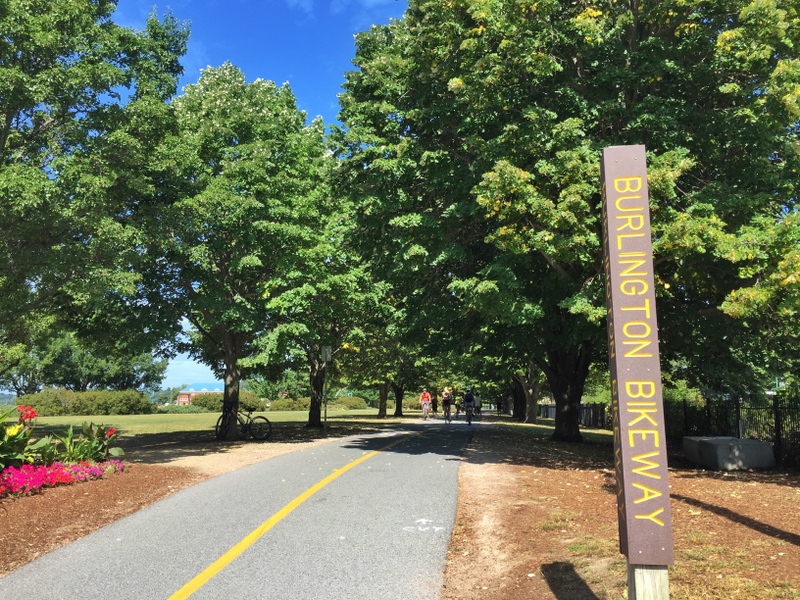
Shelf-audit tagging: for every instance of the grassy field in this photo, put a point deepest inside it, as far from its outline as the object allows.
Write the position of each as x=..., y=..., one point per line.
x=133, y=425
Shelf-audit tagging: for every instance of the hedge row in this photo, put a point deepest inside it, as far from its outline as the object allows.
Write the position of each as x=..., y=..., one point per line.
x=213, y=402
x=57, y=402
x=304, y=404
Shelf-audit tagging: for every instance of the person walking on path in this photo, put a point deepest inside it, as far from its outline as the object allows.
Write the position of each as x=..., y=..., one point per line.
x=425, y=401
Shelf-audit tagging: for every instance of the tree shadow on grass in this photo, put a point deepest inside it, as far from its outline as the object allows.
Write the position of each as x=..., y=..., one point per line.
x=155, y=448
x=565, y=583
x=786, y=536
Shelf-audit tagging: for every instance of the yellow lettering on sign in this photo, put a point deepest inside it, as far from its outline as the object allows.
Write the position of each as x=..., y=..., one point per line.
x=639, y=259
x=644, y=308
x=640, y=389
x=644, y=414
x=633, y=287
x=647, y=465
x=636, y=329
x=644, y=433
x=628, y=184
x=652, y=517
x=622, y=236
x=648, y=493
x=634, y=352
x=633, y=222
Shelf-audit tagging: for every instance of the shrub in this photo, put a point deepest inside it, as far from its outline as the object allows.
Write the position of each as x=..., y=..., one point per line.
x=208, y=402
x=303, y=404
x=791, y=450
x=213, y=402
x=171, y=409
x=128, y=402
x=55, y=402
x=349, y=402
x=411, y=403
x=52, y=402
x=370, y=396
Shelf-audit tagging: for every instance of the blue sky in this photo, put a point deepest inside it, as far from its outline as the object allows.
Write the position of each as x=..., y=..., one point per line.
x=307, y=43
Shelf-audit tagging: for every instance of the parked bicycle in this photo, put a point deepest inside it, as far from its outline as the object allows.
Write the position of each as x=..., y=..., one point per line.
x=258, y=427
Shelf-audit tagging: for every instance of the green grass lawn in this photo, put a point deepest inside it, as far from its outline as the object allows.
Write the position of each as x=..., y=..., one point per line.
x=286, y=425
x=133, y=425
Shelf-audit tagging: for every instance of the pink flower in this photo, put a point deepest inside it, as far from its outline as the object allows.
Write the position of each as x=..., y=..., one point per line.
x=29, y=479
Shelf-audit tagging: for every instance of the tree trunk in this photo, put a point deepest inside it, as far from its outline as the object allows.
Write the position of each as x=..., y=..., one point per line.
x=230, y=399
x=383, y=398
x=398, y=399
x=518, y=396
x=532, y=408
x=529, y=386
x=566, y=373
x=318, y=369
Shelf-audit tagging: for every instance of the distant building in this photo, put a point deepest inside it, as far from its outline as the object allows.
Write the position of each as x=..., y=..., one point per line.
x=185, y=395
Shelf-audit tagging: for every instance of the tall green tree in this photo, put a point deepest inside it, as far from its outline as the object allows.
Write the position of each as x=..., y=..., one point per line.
x=83, y=103
x=238, y=212
x=65, y=361
x=473, y=131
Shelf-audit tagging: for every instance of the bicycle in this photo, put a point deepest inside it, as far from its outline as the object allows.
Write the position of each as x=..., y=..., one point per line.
x=446, y=414
x=258, y=427
x=426, y=409
x=468, y=411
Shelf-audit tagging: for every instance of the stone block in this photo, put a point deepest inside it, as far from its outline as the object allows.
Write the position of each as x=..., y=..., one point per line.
x=728, y=453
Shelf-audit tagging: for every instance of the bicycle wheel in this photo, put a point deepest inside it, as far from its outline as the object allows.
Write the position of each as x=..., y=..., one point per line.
x=260, y=428
x=220, y=428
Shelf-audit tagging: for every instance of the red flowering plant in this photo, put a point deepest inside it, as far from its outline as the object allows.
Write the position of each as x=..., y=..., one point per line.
x=93, y=443
x=27, y=415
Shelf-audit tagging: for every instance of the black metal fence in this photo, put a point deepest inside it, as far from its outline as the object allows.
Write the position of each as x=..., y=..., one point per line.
x=590, y=415
x=769, y=419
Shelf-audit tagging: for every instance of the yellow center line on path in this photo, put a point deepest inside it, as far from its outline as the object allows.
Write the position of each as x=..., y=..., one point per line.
x=223, y=561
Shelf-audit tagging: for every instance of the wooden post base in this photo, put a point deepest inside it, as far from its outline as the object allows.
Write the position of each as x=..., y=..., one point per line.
x=646, y=582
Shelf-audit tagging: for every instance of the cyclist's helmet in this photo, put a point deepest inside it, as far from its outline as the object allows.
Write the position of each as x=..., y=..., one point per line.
x=468, y=389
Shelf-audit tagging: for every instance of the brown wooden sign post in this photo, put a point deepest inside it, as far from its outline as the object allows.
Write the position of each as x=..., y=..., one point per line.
x=640, y=457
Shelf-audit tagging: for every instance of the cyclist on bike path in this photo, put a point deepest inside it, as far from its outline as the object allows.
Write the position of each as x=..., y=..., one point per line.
x=425, y=402
x=447, y=402
x=469, y=404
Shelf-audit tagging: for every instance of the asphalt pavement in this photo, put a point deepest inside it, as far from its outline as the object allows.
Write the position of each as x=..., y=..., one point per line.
x=360, y=518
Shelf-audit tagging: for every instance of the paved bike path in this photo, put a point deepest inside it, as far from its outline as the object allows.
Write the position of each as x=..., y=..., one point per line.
x=378, y=530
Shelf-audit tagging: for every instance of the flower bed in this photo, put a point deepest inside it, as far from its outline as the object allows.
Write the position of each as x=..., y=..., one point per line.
x=27, y=465
x=29, y=479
